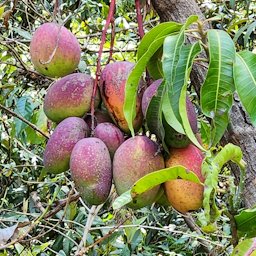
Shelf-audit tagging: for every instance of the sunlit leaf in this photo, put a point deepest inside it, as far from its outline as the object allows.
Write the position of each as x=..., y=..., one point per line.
x=245, y=247
x=217, y=90
x=246, y=223
x=245, y=81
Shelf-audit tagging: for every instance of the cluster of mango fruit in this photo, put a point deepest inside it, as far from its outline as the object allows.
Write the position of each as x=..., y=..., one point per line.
x=106, y=154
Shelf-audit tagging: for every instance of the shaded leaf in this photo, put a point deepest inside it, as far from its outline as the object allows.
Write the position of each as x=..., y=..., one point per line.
x=245, y=81
x=217, y=90
x=154, y=114
x=211, y=167
x=122, y=200
x=246, y=223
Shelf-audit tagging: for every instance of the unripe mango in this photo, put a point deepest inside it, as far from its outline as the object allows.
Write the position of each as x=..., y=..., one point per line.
x=110, y=135
x=135, y=158
x=59, y=146
x=185, y=195
x=112, y=88
x=54, y=50
x=90, y=167
x=69, y=96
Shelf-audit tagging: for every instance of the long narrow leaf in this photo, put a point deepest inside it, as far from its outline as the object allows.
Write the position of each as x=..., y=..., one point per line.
x=154, y=114
x=245, y=82
x=217, y=90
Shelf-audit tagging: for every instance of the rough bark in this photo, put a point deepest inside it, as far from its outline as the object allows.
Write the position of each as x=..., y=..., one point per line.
x=240, y=131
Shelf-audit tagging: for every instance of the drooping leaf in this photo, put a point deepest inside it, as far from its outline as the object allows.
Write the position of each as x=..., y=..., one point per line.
x=245, y=247
x=158, y=177
x=246, y=223
x=154, y=179
x=154, y=114
x=211, y=167
x=245, y=81
x=132, y=82
x=176, y=61
x=190, y=52
x=217, y=90
x=160, y=30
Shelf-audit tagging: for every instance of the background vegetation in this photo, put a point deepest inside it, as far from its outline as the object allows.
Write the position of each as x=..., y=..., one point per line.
x=42, y=213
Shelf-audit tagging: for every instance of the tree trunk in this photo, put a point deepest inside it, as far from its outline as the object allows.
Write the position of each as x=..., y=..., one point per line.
x=240, y=131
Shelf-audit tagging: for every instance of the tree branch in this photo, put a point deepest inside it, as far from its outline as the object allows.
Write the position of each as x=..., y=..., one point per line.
x=34, y=127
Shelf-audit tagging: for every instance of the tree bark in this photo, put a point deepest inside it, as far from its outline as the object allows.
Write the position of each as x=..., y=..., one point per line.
x=240, y=131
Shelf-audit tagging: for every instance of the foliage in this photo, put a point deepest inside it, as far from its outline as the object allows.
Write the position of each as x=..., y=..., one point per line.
x=47, y=207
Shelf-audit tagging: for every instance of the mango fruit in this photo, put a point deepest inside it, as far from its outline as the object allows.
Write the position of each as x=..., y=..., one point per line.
x=185, y=195
x=69, y=96
x=112, y=89
x=54, y=50
x=135, y=158
x=90, y=167
x=59, y=147
x=111, y=135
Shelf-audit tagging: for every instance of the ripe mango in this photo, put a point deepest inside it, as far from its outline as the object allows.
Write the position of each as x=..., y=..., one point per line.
x=69, y=96
x=54, y=50
x=110, y=135
x=185, y=195
x=90, y=167
x=135, y=158
x=59, y=146
x=112, y=89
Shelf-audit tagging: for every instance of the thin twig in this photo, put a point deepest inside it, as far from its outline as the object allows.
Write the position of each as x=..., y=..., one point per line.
x=34, y=127
x=139, y=19
x=91, y=216
x=98, y=68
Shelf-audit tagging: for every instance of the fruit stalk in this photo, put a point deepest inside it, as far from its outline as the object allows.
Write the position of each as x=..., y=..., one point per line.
x=103, y=40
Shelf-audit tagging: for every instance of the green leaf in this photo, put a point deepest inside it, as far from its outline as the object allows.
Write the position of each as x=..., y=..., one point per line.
x=245, y=81
x=122, y=200
x=190, y=52
x=246, y=223
x=217, y=90
x=154, y=65
x=162, y=29
x=1, y=11
x=158, y=177
x=211, y=167
x=154, y=179
x=245, y=247
x=25, y=34
x=154, y=114
x=132, y=82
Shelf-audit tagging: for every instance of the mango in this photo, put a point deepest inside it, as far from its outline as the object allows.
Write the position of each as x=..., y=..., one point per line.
x=112, y=89
x=172, y=137
x=54, y=50
x=69, y=96
x=59, y=146
x=135, y=158
x=90, y=167
x=185, y=195
x=111, y=135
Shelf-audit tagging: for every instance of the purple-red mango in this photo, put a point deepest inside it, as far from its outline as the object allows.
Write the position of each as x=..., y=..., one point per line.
x=111, y=135
x=69, y=96
x=54, y=50
x=185, y=195
x=135, y=158
x=112, y=88
x=90, y=167
x=59, y=146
